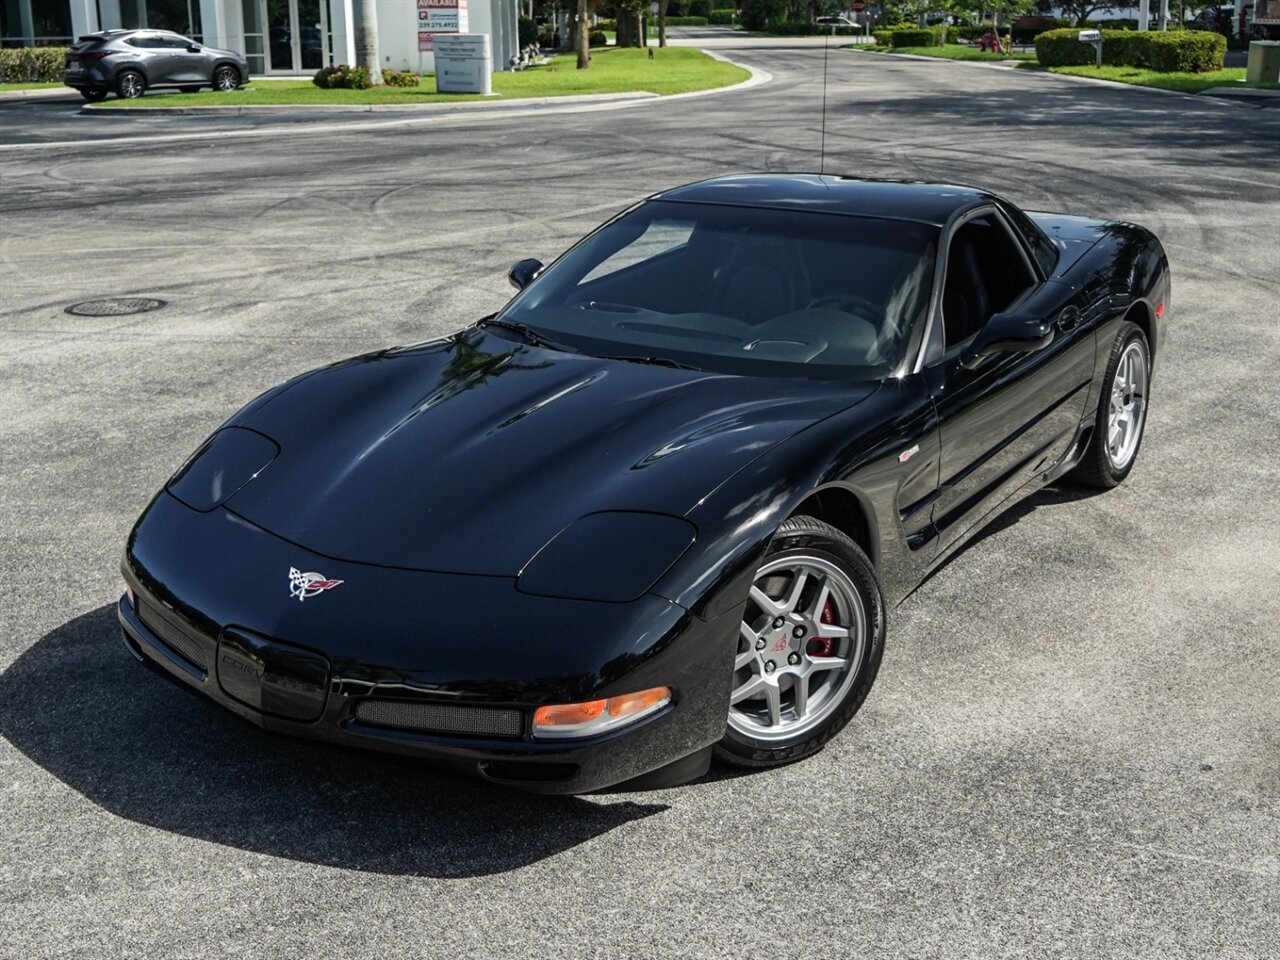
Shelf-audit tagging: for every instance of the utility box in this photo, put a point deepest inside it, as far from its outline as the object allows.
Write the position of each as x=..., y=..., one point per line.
x=464, y=63
x=1264, y=62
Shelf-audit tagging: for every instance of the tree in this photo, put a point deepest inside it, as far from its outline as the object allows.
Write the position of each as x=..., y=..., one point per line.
x=584, y=37
x=369, y=57
x=1082, y=10
x=662, y=23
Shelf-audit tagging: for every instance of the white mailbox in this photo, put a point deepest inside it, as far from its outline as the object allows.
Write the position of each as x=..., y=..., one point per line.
x=1090, y=36
x=464, y=63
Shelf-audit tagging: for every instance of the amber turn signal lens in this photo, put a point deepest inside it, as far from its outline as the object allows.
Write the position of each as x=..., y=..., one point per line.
x=566, y=714
x=595, y=716
x=632, y=703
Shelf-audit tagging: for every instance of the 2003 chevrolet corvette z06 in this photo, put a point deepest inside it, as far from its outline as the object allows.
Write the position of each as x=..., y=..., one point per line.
x=657, y=507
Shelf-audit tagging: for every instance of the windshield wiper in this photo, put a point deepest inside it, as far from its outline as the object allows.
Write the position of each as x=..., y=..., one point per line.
x=531, y=335
x=654, y=361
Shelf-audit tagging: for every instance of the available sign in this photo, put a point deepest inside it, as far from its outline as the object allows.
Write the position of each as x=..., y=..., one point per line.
x=440, y=16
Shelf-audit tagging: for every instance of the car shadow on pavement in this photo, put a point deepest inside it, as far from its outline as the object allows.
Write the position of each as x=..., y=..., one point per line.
x=1056, y=493
x=143, y=749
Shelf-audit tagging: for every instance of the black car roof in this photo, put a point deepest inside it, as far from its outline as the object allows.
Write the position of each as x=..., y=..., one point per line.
x=931, y=203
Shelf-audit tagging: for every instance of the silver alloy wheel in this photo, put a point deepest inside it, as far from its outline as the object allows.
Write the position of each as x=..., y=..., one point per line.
x=131, y=85
x=1128, y=407
x=800, y=647
x=226, y=79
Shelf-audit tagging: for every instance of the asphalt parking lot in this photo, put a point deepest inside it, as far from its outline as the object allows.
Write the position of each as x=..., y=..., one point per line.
x=1073, y=748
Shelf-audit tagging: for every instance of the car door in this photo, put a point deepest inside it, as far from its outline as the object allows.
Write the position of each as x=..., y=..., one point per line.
x=155, y=61
x=1009, y=416
x=187, y=65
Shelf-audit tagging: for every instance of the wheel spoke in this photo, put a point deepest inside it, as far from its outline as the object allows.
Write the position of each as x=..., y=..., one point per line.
x=772, y=607
x=797, y=588
x=773, y=696
x=832, y=630
x=801, y=685
x=818, y=664
x=815, y=609
x=744, y=659
x=751, y=688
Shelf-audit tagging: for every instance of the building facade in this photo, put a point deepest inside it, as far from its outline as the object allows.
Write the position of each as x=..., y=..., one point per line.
x=278, y=36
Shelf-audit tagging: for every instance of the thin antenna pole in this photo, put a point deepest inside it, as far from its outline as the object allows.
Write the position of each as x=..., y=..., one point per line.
x=822, y=150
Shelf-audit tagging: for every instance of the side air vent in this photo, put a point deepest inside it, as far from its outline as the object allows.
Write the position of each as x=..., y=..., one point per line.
x=173, y=636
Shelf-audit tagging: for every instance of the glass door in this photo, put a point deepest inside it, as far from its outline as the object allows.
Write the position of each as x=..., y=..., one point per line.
x=297, y=34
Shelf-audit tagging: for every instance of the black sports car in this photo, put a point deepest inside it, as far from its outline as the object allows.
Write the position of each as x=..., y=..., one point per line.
x=657, y=507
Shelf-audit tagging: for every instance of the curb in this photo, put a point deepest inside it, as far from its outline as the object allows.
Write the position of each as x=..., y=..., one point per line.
x=756, y=78
x=1217, y=94
x=264, y=109
x=37, y=94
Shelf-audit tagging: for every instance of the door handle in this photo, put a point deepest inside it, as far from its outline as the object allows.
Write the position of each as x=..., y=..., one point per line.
x=1068, y=319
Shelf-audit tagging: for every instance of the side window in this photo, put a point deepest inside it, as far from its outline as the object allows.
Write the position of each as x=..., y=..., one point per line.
x=146, y=41
x=174, y=43
x=986, y=272
x=1042, y=248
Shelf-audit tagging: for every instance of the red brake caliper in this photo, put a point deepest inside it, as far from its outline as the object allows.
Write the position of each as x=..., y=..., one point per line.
x=824, y=646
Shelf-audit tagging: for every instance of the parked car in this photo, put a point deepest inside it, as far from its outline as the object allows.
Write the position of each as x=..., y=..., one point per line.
x=662, y=504
x=1214, y=19
x=129, y=62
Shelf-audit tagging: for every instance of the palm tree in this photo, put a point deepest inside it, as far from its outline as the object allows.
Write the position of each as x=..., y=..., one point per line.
x=584, y=37
x=368, y=47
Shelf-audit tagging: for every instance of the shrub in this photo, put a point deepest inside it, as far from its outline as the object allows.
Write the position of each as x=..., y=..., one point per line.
x=908, y=37
x=723, y=18
x=606, y=25
x=400, y=78
x=549, y=40
x=527, y=29
x=596, y=38
x=687, y=21
x=699, y=8
x=342, y=77
x=1184, y=51
x=32, y=64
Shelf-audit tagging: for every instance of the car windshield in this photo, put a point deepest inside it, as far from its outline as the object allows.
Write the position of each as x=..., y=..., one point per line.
x=741, y=290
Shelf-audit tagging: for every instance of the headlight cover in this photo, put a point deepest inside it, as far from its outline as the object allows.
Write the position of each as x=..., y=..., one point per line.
x=614, y=556
x=226, y=462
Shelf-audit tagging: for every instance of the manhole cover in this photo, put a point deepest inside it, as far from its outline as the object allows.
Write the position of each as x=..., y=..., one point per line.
x=114, y=306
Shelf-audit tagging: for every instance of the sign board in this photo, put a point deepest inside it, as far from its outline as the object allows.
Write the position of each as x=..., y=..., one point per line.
x=858, y=6
x=464, y=63
x=437, y=17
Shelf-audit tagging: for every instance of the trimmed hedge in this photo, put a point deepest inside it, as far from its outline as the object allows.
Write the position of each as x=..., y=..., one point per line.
x=908, y=37
x=1182, y=51
x=685, y=21
x=32, y=64
x=723, y=18
x=400, y=78
x=597, y=38
x=342, y=77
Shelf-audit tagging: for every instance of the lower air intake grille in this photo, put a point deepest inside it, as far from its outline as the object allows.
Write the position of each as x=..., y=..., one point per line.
x=441, y=718
x=173, y=636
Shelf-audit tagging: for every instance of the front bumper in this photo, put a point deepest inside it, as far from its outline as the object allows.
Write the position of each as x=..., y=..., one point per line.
x=422, y=639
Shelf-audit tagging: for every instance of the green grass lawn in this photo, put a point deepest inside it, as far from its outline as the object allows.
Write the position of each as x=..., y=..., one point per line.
x=1182, y=82
x=952, y=51
x=672, y=70
x=30, y=86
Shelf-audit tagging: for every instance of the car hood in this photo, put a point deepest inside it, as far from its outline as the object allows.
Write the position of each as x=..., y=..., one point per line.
x=467, y=455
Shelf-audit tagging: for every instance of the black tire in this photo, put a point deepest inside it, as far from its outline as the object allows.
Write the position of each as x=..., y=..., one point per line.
x=226, y=79
x=94, y=94
x=1096, y=468
x=190, y=89
x=130, y=85
x=806, y=536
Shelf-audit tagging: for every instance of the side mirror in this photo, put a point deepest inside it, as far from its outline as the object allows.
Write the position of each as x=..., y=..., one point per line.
x=523, y=273
x=1008, y=333
x=193, y=47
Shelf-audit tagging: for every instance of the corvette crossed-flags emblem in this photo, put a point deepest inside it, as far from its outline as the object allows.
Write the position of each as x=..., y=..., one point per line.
x=303, y=585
